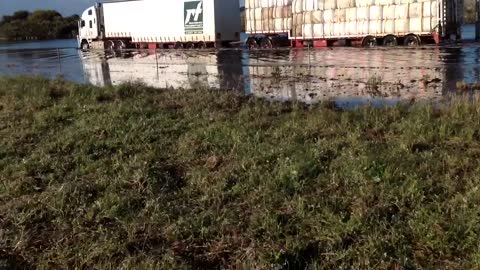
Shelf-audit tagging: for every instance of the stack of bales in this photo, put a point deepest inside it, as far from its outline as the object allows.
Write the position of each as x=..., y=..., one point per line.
x=268, y=16
x=357, y=18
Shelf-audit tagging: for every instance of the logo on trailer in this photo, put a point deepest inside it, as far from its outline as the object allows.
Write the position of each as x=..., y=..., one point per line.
x=193, y=15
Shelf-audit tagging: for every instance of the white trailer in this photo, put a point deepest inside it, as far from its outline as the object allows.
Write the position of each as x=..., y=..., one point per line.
x=160, y=23
x=321, y=23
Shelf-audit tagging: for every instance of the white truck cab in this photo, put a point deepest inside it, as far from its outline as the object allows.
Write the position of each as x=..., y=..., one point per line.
x=88, y=29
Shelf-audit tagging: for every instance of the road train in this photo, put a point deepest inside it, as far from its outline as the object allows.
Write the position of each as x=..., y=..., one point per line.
x=268, y=23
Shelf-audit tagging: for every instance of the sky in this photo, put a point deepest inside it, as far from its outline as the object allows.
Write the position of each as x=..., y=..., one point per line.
x=65, y=7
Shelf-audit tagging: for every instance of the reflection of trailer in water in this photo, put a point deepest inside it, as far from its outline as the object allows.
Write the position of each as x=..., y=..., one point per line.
x=291, y=76
x=165, y=70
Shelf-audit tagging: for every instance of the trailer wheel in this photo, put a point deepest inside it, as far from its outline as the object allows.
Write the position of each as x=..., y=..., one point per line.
x=412, y=40
x=201, y=45
x=390, y=41
x=266, y=43
x=251, y=43
x=178, y=45
x=189, y=46
x=369, y=42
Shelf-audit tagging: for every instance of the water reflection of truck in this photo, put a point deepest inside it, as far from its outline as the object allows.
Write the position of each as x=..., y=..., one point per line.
x=166, y=69
x=284, y=76
x=318, y=23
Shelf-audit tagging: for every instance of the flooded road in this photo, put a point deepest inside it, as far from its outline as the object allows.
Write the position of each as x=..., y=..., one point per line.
x=348, y=76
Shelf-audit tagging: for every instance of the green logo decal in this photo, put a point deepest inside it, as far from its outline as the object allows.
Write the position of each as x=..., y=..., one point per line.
x=193, y=15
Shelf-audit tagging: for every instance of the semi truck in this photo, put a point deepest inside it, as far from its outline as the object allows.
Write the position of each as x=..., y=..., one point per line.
x=269, y=23
x=160, y=24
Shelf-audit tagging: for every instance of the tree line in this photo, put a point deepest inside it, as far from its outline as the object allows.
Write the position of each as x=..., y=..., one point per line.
x=40, y=24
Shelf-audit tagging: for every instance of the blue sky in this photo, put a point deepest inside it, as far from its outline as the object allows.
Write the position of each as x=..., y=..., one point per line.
x=66, y=7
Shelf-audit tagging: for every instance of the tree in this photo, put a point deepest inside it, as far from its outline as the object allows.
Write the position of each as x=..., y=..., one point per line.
x=41, y=24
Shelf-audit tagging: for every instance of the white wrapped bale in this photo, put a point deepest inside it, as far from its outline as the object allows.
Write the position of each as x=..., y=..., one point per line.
x=401, y=26
x=351, y=28
x=330, y=4
x=375, y=27
x=318, y=30
x=340, y=15
x=252, y=4
x=363, y=14
x=328, y=15
x=281, y=24
x=384, y=2
x=351, y=14
x=298, y=19
x=328, y=29
x=314, y=17
x=415, y=10
x=250, y=26
x=310, y=5
x=415, y=25
x=339, y=29
x=267, y=3
x=429, y=24
x=258, y=24
x=389, y=26
x=388, y=12
x=375, y=13
x=321, y=5
x=297, y=6
x=430, y=9
x=345, y=3
x=288, y=24
x=363, y=27
x=287, y=11
x=308, y=30
x=364, y=3
x=401, y=11
x=297, y=30
x=268, y=25
x=267, y=13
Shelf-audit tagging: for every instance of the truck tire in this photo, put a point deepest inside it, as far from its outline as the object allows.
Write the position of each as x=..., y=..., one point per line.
x=251, y=43
x=178, y=45
x=202, y=45
x=84, y=45
x=369, y=42
x=390, y=41
x=412, y=40
x=266, y=43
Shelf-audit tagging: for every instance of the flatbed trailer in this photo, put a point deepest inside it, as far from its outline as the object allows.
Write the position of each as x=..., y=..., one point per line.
x=368, y=23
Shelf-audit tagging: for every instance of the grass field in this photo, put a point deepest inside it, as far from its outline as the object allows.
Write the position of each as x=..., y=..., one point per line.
x=138, y=178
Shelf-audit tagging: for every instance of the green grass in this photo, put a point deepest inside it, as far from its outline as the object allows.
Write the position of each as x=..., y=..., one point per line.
x=138, y=178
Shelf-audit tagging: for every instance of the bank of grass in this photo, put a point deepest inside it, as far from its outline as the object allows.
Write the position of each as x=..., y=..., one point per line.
x=138, y=178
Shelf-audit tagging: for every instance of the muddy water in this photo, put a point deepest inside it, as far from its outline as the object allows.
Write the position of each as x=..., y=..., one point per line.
x=348, y=76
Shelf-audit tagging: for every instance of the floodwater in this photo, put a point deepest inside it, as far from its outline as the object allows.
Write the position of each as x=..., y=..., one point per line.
x=348, y=76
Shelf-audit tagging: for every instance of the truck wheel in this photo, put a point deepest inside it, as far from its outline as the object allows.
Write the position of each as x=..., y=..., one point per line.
x=251, y=43
x=412, y=40
x=84, y=46
x=266, y=43
x=369, y=42
x=390, y=41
